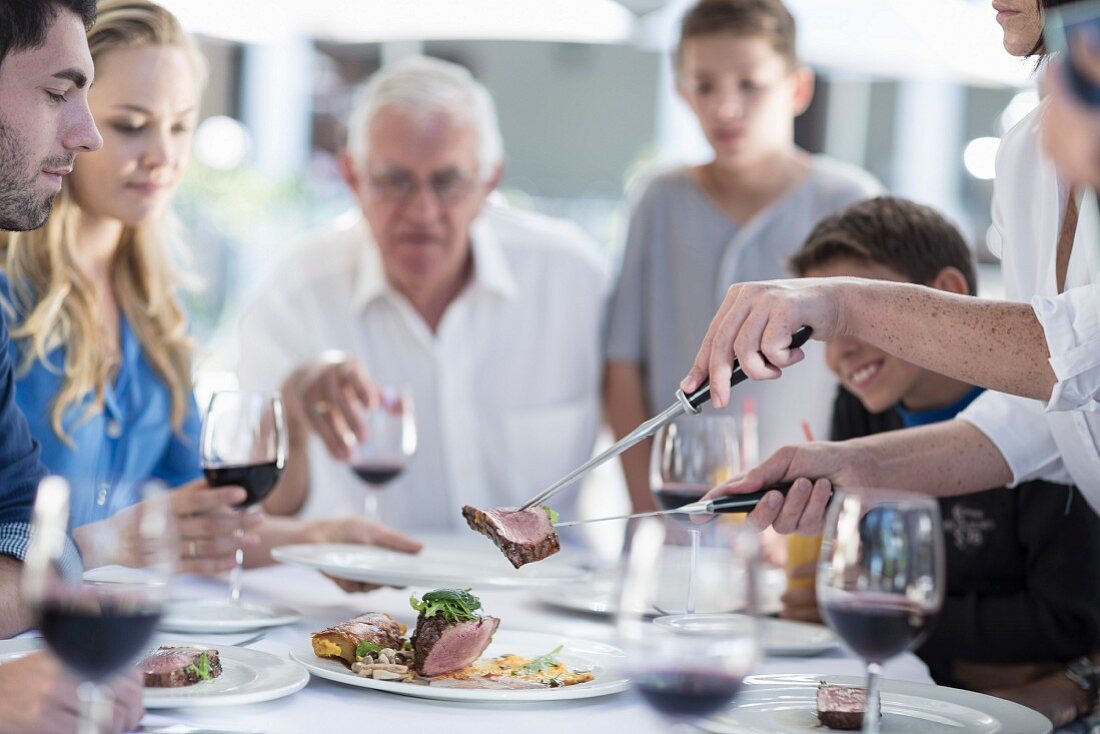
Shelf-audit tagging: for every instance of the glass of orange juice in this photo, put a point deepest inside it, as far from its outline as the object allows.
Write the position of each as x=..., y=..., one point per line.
x=802, y=550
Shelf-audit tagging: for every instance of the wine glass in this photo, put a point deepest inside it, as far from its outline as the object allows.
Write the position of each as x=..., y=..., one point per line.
x=880, y=578
x=389, y=444
x=690, y=456
x=687, y=672
x=243, y=444
x=97, y=630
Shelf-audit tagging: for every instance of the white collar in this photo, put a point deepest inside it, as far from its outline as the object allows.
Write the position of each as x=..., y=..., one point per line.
x=492, y=272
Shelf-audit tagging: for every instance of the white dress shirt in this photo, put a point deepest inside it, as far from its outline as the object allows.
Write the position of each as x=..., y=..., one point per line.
x=1059, y=441
x=506, y=390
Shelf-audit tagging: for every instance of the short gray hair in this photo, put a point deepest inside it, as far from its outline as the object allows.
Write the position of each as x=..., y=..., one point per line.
x=425, y=86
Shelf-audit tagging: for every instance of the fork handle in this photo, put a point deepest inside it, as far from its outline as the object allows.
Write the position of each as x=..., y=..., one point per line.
x=743, y=503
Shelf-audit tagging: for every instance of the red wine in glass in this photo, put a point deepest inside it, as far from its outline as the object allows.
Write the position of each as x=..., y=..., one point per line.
x=96, y=630
x=376, y=475
x=875, y=628
x=671, y=495
x=243, y=443
x=97, y=638
x=389, y=444
x=687, y=694
x=687, y=458
x=257, y=479
x=880, y=578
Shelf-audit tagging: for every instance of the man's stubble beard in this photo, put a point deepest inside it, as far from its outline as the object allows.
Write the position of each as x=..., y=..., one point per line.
x=21, y=207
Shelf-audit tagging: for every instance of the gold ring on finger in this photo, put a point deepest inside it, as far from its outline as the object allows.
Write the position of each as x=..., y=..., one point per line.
x=319, y=408
x=192, y=550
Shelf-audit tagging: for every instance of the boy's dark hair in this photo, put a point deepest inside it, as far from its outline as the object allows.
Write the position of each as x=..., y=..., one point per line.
x=768, y=19
x=913, y=240
x=25, y=23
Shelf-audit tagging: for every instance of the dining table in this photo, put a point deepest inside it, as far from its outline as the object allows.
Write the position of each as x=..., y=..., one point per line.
x=327, y=707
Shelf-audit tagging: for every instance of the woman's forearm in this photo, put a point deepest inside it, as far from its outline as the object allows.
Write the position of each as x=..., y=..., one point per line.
x=943, y=460
x=996, y=344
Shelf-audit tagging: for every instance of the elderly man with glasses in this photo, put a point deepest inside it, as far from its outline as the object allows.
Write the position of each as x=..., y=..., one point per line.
x=491, y=318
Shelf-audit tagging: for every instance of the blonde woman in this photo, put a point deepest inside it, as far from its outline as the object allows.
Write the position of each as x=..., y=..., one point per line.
x=99, y=335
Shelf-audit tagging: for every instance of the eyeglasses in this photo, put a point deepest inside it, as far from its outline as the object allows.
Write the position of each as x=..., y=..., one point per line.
x=449, y=187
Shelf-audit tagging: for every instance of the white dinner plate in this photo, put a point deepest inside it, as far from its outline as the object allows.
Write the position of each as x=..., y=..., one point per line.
x=248, y=676
x=787, y=704
x=431, y=567
x=780, y=637
x=214, y=616
x=604, y=661
x=596, y=596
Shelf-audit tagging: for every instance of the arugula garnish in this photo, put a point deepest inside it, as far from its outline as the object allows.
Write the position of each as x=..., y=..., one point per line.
x=456, y=605
x=364, y=648
x=202, y=670
x=552, y=513
x=542, y=662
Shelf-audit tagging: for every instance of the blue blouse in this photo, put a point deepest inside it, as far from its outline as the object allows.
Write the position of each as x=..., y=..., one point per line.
x=115, y=450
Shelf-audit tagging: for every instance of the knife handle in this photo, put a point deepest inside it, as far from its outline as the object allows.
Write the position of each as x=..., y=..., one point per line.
x=702, y=395
x=743, y=503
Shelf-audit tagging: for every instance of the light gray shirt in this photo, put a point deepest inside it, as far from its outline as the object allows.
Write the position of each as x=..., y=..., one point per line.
x=681, y=255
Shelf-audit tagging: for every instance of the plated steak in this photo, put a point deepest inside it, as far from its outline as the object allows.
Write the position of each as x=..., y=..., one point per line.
x=524, y=537
x=841, y=707
x=443, y=647
x=340, y=641
x=175, y=667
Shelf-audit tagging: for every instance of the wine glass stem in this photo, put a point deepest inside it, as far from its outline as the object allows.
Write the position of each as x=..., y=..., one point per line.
x=370, y=503
x=871, y=715
x=235, y=574
x=96, y=708
x=689, y=607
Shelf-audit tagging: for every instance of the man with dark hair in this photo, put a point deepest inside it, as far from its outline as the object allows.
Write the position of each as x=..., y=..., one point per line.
x=44, y=123
x=24, y=24
x=45, y=72
x=45, y=69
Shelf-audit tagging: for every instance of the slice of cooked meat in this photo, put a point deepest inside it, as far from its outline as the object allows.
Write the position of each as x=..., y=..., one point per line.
x=524, y=537
x=443, y=647
x=175, y=667
x=841, y=707
x=339, y=642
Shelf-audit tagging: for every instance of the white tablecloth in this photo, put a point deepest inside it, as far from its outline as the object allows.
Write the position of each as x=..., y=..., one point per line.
x=324, y=707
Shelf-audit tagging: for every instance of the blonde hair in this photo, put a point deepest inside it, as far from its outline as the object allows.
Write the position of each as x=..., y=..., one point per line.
x=54, y=303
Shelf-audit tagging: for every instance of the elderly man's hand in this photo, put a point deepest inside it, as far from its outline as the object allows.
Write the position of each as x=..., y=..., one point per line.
x=329, y=395
x=359, y=530
x=37, y=696
x=755, y=322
